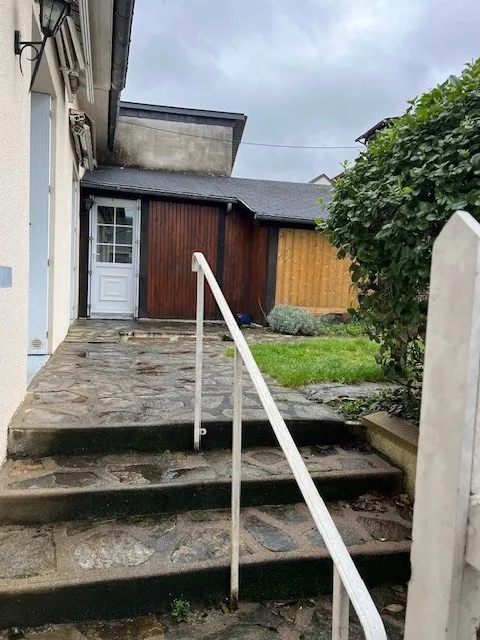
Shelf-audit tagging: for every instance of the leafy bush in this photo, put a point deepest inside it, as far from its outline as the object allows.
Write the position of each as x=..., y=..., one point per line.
x=402, y=402
x=388, y=208
x=292, y=321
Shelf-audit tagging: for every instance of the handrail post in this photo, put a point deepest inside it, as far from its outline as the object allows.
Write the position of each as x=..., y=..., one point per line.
x=199, y=358
x=236, y=478
x=340, y=608
x=348, y=585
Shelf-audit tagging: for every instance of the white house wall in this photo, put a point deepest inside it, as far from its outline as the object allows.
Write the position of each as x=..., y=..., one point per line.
x=173, y=146
x=14, y=208
x=14, y=204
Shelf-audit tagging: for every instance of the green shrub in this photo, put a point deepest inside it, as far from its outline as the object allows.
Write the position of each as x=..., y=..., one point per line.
x=402, y=402
x=292, y=321
x=388, y=208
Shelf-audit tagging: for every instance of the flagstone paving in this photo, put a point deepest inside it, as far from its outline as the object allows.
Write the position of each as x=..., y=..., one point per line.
x=304, y=619
x=177, y=467
x=115, y=373
x=108, y=560
x=76, y=552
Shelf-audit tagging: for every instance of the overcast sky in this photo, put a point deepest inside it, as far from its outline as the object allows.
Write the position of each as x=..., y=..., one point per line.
x=305, y=72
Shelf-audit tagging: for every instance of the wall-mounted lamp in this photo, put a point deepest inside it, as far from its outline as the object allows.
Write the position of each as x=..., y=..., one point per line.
x=52, y=15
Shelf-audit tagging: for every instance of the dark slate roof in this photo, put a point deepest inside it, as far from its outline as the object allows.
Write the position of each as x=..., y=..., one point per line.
x=294, y=202
x=372, y=132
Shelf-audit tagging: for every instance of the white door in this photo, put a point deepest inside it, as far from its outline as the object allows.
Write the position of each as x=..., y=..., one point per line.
x=40, y=151
x=114, y=253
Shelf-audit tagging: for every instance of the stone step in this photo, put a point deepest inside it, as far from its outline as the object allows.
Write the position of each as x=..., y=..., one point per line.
x=136, y=566
x=57, y=489
x=32, y=440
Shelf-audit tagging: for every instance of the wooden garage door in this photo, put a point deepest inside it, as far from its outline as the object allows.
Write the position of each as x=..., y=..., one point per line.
x=175, y=232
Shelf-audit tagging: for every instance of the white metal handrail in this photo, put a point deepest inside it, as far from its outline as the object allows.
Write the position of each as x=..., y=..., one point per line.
x=347, y=583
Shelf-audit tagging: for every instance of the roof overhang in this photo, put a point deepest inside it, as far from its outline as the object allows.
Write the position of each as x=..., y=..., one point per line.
x=160, y=193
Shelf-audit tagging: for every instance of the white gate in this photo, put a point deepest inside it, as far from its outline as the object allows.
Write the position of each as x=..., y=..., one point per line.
x=40, y=151
x=444, y=592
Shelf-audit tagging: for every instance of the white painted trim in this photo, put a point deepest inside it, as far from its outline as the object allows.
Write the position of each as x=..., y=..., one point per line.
x=87, y=48
x=137, y=225
x=76, y=43
x=89, y=272
x=63, y=65
x=74, y=227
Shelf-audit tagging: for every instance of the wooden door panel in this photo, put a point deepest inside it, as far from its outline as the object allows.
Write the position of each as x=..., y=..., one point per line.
x=175, y=232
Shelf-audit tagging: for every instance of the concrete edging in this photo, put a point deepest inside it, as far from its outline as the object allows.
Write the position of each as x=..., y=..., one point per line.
x=397, y=439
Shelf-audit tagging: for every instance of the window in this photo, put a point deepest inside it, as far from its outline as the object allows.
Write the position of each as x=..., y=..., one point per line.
x=114, y=235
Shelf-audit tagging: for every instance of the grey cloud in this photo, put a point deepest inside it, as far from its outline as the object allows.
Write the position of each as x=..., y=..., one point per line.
x=306, y=72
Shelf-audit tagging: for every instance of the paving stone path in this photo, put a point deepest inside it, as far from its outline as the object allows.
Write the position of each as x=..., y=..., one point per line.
x=113, y=373
x=177, y=467
x=292, y=620
x=138, y=373
x=77, y=551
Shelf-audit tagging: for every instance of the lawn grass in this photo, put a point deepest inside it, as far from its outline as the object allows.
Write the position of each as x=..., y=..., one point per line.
x=329, y=359
x=340, y=329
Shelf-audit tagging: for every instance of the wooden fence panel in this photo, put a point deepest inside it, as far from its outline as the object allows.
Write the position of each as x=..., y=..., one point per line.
x=310, y=275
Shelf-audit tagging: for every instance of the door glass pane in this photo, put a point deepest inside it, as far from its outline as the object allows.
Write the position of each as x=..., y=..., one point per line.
x=104, y=252
x=123, y=235
x=106, y=215
x=124, y=216
x=123, y=254
x=105, y=234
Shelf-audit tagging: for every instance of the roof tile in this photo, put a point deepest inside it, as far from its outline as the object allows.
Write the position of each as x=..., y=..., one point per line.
x=268, y=199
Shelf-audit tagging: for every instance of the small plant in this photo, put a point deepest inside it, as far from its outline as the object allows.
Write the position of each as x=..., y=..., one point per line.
x=292, y=321
x=403, y=402
x=354, y=409
x=180, y=609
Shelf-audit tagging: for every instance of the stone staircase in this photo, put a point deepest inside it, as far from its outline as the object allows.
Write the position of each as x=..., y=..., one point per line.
x=115, y=522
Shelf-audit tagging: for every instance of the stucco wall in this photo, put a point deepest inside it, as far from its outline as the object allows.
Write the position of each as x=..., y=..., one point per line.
x=14, y=207
x=199, y=148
